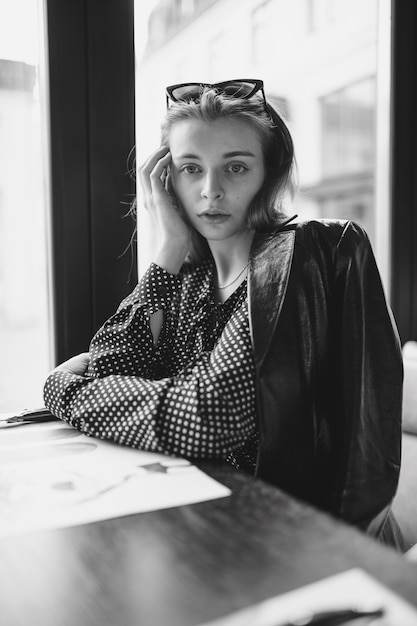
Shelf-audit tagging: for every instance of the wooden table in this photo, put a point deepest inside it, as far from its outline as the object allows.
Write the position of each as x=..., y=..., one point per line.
x=183, y=566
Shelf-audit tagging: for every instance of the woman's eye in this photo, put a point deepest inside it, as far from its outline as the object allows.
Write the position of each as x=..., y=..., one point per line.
x=190, y=169
x=236, y=168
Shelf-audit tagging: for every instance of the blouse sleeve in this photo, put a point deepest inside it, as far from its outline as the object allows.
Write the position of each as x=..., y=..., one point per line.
x=124, y=344
x=205, y=412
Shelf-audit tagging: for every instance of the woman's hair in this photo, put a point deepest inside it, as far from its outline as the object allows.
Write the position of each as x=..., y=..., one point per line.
x=266, y=211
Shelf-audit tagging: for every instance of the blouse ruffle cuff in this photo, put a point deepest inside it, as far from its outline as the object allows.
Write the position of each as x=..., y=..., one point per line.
x=58, y=390
x=156, y=288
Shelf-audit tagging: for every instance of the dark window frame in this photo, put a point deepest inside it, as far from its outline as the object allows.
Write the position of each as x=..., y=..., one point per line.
x=403, y=168
x=92, y=130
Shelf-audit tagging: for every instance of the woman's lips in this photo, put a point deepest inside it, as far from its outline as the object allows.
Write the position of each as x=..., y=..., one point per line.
x=214, y=217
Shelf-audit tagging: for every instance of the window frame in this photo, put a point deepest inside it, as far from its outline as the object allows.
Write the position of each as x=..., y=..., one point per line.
x=403, y=164
x=92, y=131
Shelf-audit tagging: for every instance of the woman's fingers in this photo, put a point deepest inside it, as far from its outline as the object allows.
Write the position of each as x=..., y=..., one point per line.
x=76, y=365
x=153, y=159
x=160, y=165
x=152, y=177
x=153, y=165
x=159, y=174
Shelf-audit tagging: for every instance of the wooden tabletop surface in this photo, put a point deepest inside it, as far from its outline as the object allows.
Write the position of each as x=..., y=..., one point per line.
x=185, y=565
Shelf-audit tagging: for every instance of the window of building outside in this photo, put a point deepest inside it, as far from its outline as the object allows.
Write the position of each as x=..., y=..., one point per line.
x=348, y=159
x=327, y=65
x=24, y=320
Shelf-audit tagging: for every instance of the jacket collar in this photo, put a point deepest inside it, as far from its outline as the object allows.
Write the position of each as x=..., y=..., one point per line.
x=271, y=259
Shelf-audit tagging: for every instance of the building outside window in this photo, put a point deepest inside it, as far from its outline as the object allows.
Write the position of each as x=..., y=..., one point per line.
x=348, y=154
x=348, y=126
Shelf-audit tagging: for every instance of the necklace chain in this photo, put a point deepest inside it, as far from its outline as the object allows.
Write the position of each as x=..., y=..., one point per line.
x=234, y=280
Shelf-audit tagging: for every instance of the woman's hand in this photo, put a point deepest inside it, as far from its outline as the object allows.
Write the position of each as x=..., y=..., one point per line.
x=160, y=201
x=76, y=365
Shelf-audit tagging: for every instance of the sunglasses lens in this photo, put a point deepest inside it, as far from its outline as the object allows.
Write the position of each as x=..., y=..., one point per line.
x=186, y=92
x=239, y=89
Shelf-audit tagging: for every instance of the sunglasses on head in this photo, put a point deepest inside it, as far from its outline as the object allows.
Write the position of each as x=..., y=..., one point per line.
x=239, y=88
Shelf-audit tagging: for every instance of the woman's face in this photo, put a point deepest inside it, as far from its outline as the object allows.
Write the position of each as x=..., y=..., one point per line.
x=217, y=169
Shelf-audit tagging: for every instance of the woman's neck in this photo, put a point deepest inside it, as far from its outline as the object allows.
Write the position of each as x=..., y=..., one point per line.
x=231, y=259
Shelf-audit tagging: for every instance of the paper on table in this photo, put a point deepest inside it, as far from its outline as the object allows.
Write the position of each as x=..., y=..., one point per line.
x=353, y=588
x=53, y=476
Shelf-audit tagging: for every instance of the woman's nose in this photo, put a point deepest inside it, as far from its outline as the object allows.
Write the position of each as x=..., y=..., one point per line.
x=212, y=188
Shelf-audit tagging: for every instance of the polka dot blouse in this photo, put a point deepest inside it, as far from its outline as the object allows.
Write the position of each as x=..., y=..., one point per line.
x=192, y=394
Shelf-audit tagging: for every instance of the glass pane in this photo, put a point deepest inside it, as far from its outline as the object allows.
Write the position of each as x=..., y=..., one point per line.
x=320, y=61
x=24, y=322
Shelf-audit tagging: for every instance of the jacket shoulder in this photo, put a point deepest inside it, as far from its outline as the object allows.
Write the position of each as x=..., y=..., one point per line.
x=332, y=228
x=319, y=236
x=337, y=233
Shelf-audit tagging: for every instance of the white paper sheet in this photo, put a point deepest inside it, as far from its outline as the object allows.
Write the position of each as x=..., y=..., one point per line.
x=353, y=588
x=52, y=476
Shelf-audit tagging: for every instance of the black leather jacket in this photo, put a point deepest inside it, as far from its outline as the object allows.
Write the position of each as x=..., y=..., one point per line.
x=329, y=372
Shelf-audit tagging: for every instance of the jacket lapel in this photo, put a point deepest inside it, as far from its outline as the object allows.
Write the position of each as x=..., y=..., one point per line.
x=268, y=279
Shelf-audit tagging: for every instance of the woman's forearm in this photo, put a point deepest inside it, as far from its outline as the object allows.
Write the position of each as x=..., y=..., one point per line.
x=173, y=415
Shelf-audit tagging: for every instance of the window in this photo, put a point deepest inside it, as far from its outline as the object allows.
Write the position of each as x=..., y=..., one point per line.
x=324, y=13
x=25, y=323
x=348, y=154
x=348, y=129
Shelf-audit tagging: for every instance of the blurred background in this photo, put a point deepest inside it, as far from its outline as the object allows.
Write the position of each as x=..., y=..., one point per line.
x=66, y=125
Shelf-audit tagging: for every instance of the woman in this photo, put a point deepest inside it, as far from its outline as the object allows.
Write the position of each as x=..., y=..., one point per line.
x=250, y=338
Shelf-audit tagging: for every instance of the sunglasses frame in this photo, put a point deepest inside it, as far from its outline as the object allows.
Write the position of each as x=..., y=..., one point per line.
x=258, y=86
